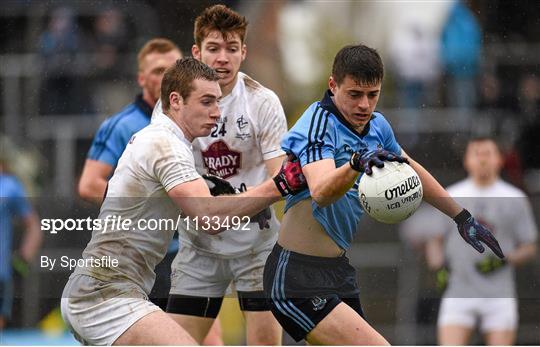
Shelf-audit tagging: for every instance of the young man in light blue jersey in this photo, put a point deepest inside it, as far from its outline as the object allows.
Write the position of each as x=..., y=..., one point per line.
x=308, y=279
x=14, y=204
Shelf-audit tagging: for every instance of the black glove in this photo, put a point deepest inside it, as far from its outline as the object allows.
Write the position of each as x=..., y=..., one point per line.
x=262, y=217
x=474, y=232
x=290, y=179
x=489, y=265
x=218, y=185
x=363, y=161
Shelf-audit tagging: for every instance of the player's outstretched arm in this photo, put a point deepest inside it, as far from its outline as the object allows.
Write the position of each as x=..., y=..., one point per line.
x=195, y=200
x=469, y=229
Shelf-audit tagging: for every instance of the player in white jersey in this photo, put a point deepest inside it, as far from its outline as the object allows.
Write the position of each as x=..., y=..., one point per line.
x=155, y=181
x=481, y=286
x=243, y=148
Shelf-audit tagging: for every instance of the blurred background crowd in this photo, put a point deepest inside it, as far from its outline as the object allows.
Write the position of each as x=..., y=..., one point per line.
x=454, y=69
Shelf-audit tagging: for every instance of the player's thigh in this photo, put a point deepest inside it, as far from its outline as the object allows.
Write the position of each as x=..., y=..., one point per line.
x=197, y=327
x=500, y=338
x=195, y=314
x=498, y=314
x=454, y=335
x=98, y=312
x=214, y=336
x=156, y=328
x=457, y=319
x=344, y=326
x=195, y=273
x=247, y=270
x=458, y=312
x=262, y=328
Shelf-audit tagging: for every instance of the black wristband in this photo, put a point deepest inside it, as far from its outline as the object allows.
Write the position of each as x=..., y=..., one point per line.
x=354, y=162
x=462, y=217
x=280, y=185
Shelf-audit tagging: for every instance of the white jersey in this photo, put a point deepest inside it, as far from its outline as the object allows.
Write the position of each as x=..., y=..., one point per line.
x=157, y=159
x=508, y=214
x=249, y=132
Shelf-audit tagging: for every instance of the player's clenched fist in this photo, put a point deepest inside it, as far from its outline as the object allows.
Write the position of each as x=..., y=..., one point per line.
x=290, y=179
x=363, y=161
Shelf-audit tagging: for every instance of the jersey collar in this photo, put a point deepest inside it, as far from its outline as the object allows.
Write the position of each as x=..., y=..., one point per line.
x=161, y=118
x=328, y=104
x=143, y=106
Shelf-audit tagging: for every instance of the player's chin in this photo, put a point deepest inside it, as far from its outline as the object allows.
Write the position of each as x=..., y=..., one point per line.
x=205, y=131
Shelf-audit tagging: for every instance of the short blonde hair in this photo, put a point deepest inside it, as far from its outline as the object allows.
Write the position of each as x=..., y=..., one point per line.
x=159, y=45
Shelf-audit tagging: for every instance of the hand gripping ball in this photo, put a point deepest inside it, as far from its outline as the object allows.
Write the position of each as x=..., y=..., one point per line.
x=392, y=193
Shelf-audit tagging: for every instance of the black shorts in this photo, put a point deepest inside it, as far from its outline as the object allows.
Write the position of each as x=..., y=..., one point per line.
x=303, y=289
x=202, y=306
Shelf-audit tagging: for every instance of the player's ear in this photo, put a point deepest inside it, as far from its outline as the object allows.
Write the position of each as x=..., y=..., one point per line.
x=244, y=52
x=141, y=79
x=175, y=100
x=332, y=85
x=196, y=52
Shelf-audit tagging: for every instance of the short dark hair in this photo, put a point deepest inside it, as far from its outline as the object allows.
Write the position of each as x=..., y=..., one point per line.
x=179, y=78
x=363, y=64
x=219, y=18
x=476, y=139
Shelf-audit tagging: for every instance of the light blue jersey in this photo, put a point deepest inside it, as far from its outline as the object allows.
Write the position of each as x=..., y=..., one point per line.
x=323, y=133
x=114, y=133
x=13, y=204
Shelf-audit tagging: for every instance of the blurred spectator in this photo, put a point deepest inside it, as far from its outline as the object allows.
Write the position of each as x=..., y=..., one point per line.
x=14, y=204
x=414, y=55
x=480, y=287
x=489, y=92
x=110, y=37
x=529, y=98
x=461, y=45
x=62, y=92
x=528, y=145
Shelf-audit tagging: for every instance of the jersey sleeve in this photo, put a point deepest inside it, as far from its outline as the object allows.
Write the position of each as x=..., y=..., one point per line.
x=312, y=138
x=175, y=164
x=109, y=143
x=20, y=206
x=273, y=127
x=390, y=142
x=526, y=230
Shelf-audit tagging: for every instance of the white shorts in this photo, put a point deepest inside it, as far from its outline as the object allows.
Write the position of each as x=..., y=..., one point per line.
x=493, y=314
x=198, y=274
x=98, y=312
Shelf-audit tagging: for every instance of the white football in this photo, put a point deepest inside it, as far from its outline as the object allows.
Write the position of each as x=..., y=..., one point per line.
x=391, y=194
